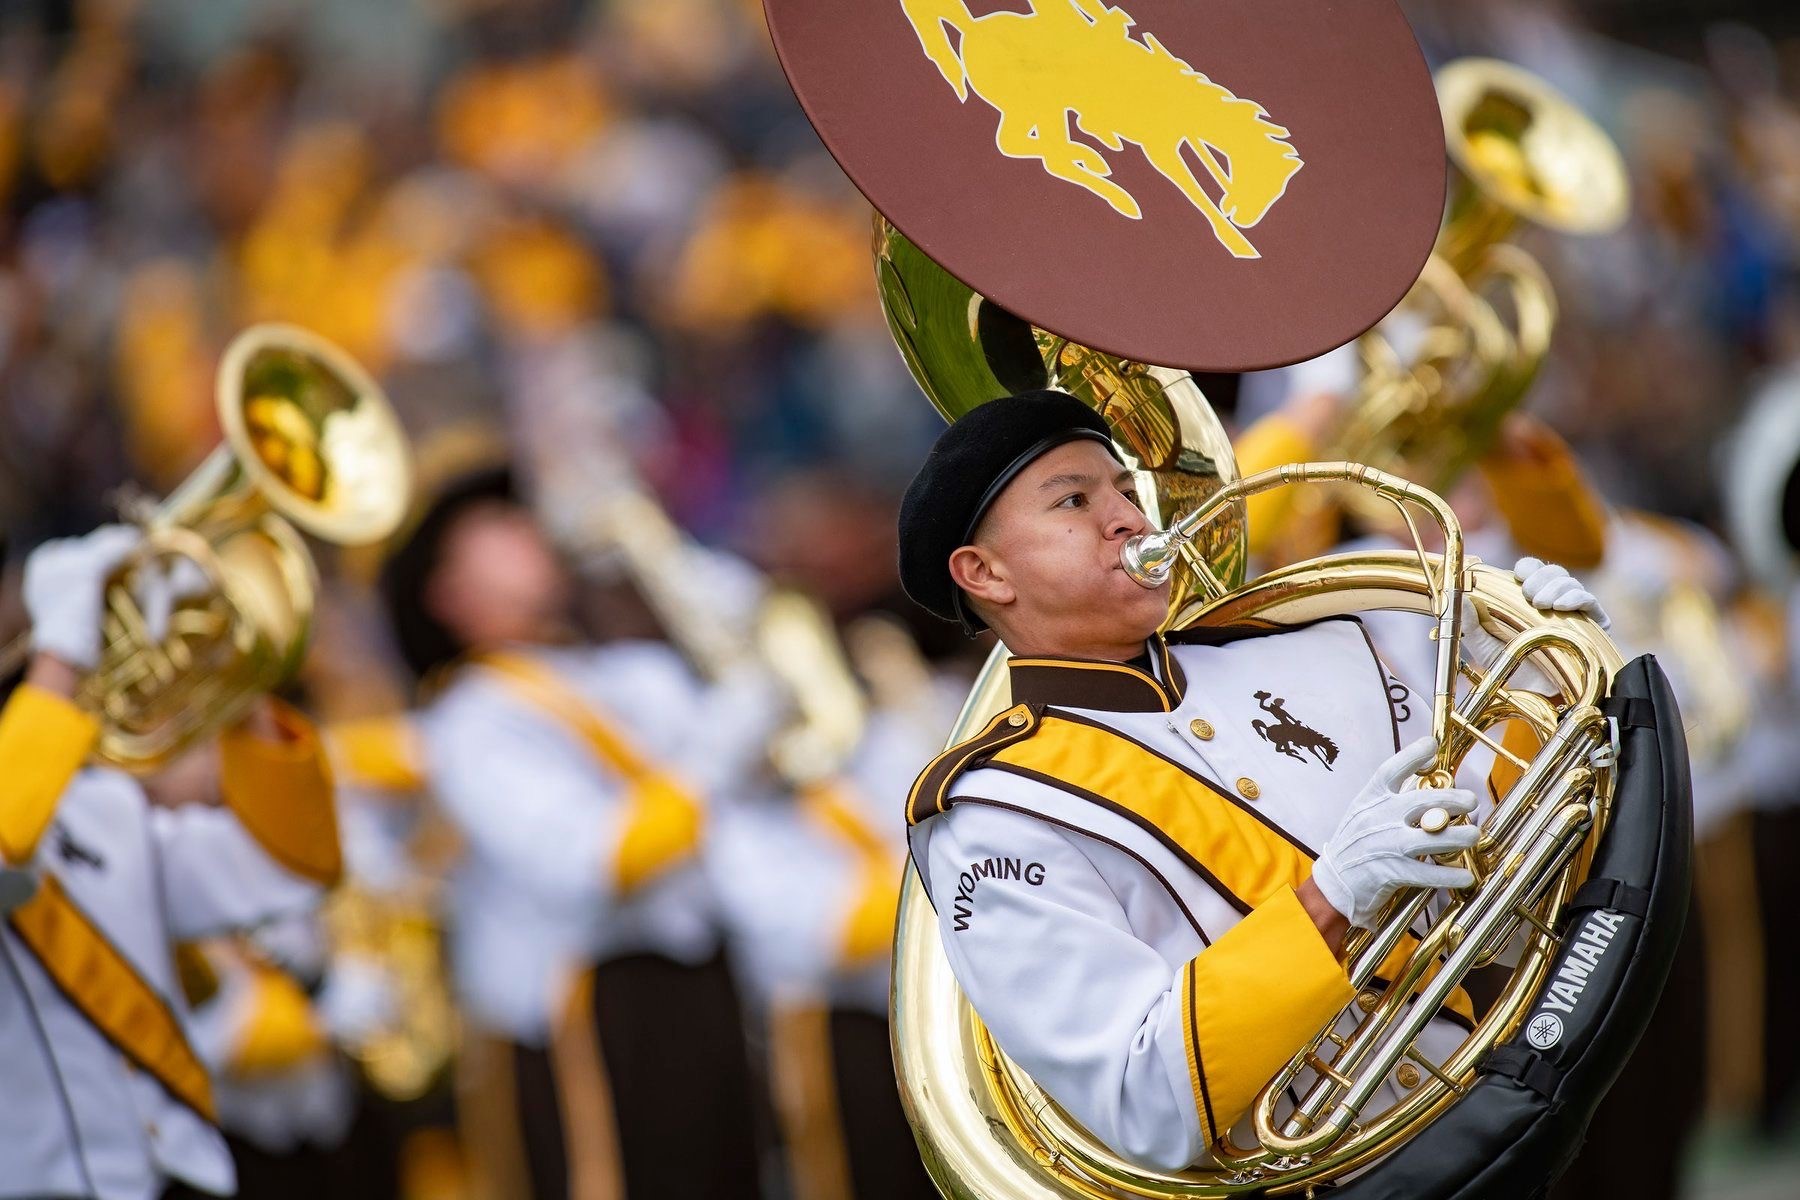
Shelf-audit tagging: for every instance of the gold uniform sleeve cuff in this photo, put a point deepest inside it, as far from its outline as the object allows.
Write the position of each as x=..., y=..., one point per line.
x=280, y=1033
x=1250, y=1001
x=869, y=933
x=1550, y=509
x=44, y=739
x=282, y=792
x=379, y=753
x=662, y=830
x=1271, y=442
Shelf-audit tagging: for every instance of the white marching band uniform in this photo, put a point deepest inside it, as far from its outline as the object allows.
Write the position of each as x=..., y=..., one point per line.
x=1097, y=945
x=82, y=1119
x=536, y=897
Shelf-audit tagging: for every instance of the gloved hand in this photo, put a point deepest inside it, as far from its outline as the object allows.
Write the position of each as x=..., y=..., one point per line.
x=1551, y=588
x=65, y=591
x=1378, y=845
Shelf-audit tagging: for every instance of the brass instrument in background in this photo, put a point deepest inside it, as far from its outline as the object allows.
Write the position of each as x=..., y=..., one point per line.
x=988, y=1131
x=311, y=444
x=790, y=635
x=1442, y=371
x=399, y=930
x=964, y=350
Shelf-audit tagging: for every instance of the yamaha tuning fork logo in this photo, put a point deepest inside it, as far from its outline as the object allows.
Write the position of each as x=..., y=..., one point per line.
x=1545, y=1028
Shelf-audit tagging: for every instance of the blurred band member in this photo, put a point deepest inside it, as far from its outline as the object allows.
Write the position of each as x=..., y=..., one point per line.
x=106, y=1096
x=811, y=882
x=585, y=940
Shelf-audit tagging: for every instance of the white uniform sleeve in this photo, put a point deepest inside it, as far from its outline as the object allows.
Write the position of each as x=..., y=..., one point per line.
x=1040, y=943
x=525, y=796
x=215, y=878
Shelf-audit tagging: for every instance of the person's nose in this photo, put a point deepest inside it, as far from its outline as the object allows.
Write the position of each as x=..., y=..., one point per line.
x=1125, y=520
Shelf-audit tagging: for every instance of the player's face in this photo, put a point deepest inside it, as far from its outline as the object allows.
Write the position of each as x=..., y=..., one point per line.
x=497, y=580
x=1051, y=543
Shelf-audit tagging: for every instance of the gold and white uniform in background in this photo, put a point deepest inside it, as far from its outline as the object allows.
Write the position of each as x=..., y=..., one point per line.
x=106, y=1095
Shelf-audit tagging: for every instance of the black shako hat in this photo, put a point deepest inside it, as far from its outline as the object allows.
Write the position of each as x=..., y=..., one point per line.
x=968, y=467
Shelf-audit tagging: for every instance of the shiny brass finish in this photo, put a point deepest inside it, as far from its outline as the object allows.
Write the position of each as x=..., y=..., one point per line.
x=405, y=1055
x=1248, y=788
x=988, y=1131
x=964, y=350
x=1457, y=355
x=1201, y=729
x=310, y=442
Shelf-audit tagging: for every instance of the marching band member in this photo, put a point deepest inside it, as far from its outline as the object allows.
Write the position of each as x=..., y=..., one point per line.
x=1144, y=870
x=106, y=1094
x=585, y=938
x=810, y=882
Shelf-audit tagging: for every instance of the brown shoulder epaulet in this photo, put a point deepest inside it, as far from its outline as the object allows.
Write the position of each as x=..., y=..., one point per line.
x=930, y=790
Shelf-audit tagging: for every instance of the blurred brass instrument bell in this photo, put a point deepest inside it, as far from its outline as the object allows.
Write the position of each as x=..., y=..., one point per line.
x=964, y=350
x=1444, y=369
x=311, y=444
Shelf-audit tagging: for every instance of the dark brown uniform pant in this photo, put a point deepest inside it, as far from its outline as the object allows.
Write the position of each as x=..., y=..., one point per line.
x=677, y=1079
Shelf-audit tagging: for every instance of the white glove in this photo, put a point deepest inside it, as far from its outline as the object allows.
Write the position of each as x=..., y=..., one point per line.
x=65, y=591
x=1378, y=845
x=1484, y=650
x=1551, y=588
x=358, y=998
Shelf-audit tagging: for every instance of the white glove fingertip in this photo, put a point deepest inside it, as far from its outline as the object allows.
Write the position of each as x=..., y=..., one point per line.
x=1526, y=567
x=1542, y=579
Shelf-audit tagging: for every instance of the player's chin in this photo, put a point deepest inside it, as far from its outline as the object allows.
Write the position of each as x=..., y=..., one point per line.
x=1135, y=602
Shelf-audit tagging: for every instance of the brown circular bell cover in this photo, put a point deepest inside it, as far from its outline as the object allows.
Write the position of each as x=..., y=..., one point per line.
x=1209, y=184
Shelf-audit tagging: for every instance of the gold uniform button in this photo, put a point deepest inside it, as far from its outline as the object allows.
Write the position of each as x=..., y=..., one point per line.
x=1247, y=788
x=1408, y=1076
x=1201, y=729
x=1017, y=720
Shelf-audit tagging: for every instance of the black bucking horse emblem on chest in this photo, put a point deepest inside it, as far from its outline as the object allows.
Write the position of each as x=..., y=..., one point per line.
x=1288, y=735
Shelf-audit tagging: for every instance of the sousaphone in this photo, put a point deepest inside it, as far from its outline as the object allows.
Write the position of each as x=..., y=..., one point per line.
x=1104, y=198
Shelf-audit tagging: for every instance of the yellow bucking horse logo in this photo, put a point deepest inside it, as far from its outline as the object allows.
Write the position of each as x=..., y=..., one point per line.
x=1078, y=57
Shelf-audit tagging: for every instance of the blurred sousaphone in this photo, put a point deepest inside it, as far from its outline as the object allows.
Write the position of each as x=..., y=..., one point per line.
x=1760, y=467
x=963, y=349
x=1443, y=370
x=310, y=444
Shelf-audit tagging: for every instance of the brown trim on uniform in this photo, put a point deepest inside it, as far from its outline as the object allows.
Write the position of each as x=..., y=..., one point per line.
x=1387, y=679
x=1212, y=1122
x=1229, y=795
x=1224, y=635
x=1098, y=837
x=928, y=790
x=1093, y=683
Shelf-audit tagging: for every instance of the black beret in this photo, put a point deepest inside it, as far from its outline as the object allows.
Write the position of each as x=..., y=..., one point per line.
x=968, y=467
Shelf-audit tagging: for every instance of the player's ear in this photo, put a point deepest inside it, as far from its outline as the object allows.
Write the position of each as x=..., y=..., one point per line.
x=979, y=572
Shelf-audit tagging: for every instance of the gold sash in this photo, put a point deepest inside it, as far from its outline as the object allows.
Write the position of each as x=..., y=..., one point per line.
x=663, y=825
x=103, y=984
x=1242, y=854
